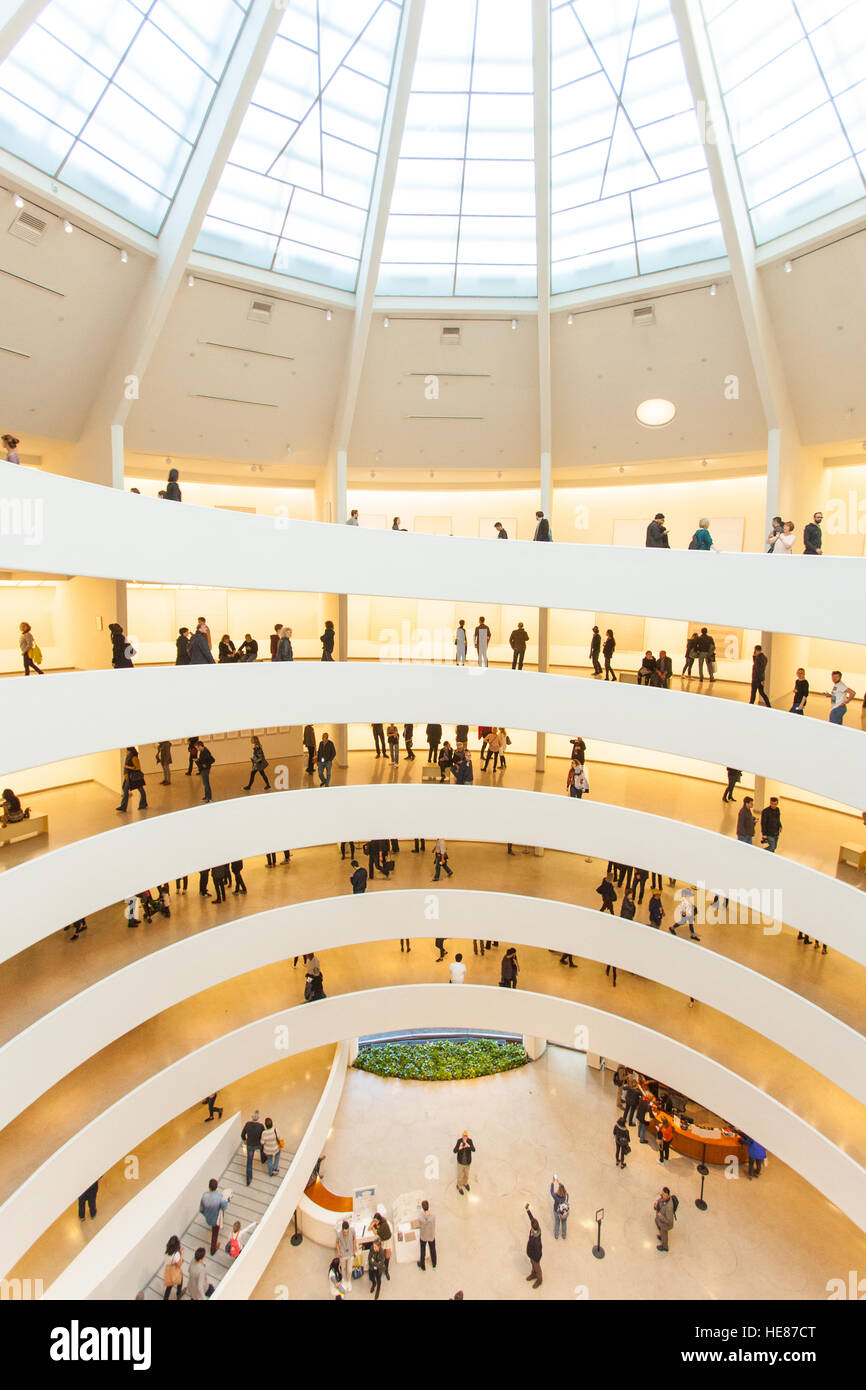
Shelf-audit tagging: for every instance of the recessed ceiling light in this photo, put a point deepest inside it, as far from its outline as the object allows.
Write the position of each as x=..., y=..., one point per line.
x=513, y=323
x=288, y=448
x=124, y=256
x=570, y=320
x=68, y=228
x=329, y=316
x=386, y=322
x=190, y=280
x=18, y=200
x=714, y=289
x=789, y=266
x=655, y=413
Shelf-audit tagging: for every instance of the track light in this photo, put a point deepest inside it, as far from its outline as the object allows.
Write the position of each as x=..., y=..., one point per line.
x=124, y=256
x=714, y=289
x=570, y=320
x=513, y=324
x=18, y=200
x=329, y=316
x=789, y=266
x=386, y=321
x=68, y=229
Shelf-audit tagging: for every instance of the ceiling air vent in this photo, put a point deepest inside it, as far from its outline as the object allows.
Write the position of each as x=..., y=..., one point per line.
x=260, y=311
x=28, y=227
x=450, y=337
x=644, y=316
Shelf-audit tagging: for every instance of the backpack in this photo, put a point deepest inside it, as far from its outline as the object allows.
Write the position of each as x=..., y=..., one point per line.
x=563, y=1211
x=694, y=543
x=675, y=1201
x=233, y=1247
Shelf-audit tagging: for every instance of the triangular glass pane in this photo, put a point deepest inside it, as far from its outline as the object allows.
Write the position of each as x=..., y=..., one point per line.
x=374, y=52
x=339, y=26
x=608, y=25
x=301, y=162
x=627, y=166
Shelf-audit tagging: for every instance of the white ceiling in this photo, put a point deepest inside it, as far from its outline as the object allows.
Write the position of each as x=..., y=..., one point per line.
x=296, y=398
x=489, y=382
x=604, y=366
x=599, y=368
x=819, y=312
x=50, y=392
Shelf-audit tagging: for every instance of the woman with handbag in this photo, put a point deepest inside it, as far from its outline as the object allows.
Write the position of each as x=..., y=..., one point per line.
x=259, y=763
x=271, y=1147
x=11, y=810
x=509, y=969
x=30, y=652
x=172, y=1275
x=493, y=744
x=622, y=1141
x=504, y=742
x=121, y=652
x=133, y=780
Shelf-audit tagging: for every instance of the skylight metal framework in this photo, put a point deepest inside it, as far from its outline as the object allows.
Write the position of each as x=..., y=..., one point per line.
x=631, y=193
x=463, y=212
x=295, y=194
x=793, y=78
x=109, y=97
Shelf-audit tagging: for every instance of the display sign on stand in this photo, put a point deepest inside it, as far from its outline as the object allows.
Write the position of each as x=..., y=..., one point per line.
x=363, y=1210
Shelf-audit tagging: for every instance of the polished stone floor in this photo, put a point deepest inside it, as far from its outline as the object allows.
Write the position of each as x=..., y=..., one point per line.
x=770, y=1238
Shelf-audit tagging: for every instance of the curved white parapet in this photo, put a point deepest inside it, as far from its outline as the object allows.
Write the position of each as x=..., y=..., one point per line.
x=120, y=1258
x=117, y=1131
x=44, y=894
x=164, y=702
x=40, y=1056
x=67, y=527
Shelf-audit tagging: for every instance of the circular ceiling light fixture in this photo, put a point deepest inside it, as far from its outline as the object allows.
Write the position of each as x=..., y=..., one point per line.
x=68, y=228
x=124, y=255
x=18, y=200
x=655, y=413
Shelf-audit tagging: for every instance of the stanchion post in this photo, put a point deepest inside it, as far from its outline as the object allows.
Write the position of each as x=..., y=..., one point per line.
x=699, y=1201
x=297, y=1237
x=598, y=1248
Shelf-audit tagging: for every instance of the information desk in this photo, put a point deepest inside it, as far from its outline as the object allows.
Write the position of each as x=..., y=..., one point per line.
x=701, y=1142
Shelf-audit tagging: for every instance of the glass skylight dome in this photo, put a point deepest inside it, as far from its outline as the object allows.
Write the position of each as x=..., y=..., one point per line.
x=111, y=96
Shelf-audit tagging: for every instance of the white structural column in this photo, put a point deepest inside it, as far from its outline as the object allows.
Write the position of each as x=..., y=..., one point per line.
x=16, y=16
x=332, y=499
x=790, y=481
x=101, y=444
x=784, y=453
x=374, y=238
x=541, y=113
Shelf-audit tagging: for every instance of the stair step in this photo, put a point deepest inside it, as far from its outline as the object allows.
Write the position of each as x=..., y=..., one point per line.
x=247, y=1204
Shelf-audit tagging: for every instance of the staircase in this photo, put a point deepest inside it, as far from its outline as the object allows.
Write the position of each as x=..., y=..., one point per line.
x=247, y=1204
